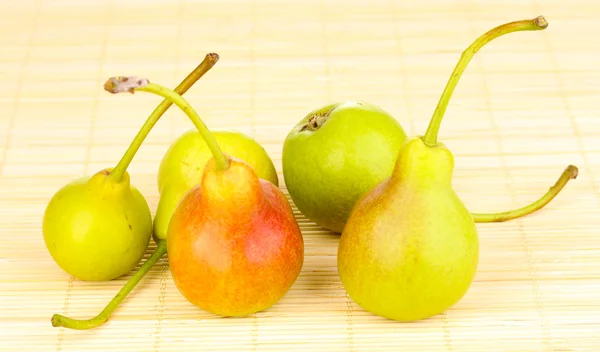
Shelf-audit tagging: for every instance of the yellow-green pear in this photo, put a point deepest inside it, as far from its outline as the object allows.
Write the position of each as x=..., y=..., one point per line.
x=410, y=247
x=182, y=166
x=97, y=227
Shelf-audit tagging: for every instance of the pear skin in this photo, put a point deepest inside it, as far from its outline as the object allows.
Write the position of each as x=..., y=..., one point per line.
x=185, y=158
x=233, y=242
x=410, y=247
x=170, y=196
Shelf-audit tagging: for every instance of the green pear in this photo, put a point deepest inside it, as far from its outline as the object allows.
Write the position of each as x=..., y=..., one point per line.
x=337, y=153
x=182, y=166
x=410, y=248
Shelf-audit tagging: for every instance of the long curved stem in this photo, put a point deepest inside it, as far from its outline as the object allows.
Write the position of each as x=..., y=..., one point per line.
x=131, y=84
x=60, y=320
x=209, y=61
x=568, y=174
x=537, y=23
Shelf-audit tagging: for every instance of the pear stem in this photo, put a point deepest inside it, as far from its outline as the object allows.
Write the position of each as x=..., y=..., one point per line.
x=537, y=23
x=209, y=61
x=60, y=320
x=121, y=84
x=569, y=173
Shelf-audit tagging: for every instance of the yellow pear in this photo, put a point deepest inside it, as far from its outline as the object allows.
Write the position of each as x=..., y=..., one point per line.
x=410, y=247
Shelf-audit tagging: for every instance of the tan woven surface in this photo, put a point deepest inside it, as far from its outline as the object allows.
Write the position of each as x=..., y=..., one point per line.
x=527, y=106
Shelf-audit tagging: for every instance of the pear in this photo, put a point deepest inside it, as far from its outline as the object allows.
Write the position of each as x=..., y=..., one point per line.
x=233, y=243
x=410, y=248
x=335, y=154
x=97, y=228
x=182, y=166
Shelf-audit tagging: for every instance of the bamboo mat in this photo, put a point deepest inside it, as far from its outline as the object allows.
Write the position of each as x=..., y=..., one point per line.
x=527, y=106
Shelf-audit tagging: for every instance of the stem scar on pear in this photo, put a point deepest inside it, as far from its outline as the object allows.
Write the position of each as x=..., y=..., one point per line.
x=121, y=84
x=315, y=121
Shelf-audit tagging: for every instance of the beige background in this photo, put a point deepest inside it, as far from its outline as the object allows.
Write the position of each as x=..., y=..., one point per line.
x=527, y=106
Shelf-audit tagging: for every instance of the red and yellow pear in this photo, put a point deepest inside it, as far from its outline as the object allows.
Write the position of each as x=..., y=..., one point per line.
x=233, y=243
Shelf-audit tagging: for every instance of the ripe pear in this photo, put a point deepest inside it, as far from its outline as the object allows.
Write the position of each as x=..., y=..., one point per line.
x=337, y=153
x=233, y=242
x=97, y=228
x=182, y=165
x=410, y=247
